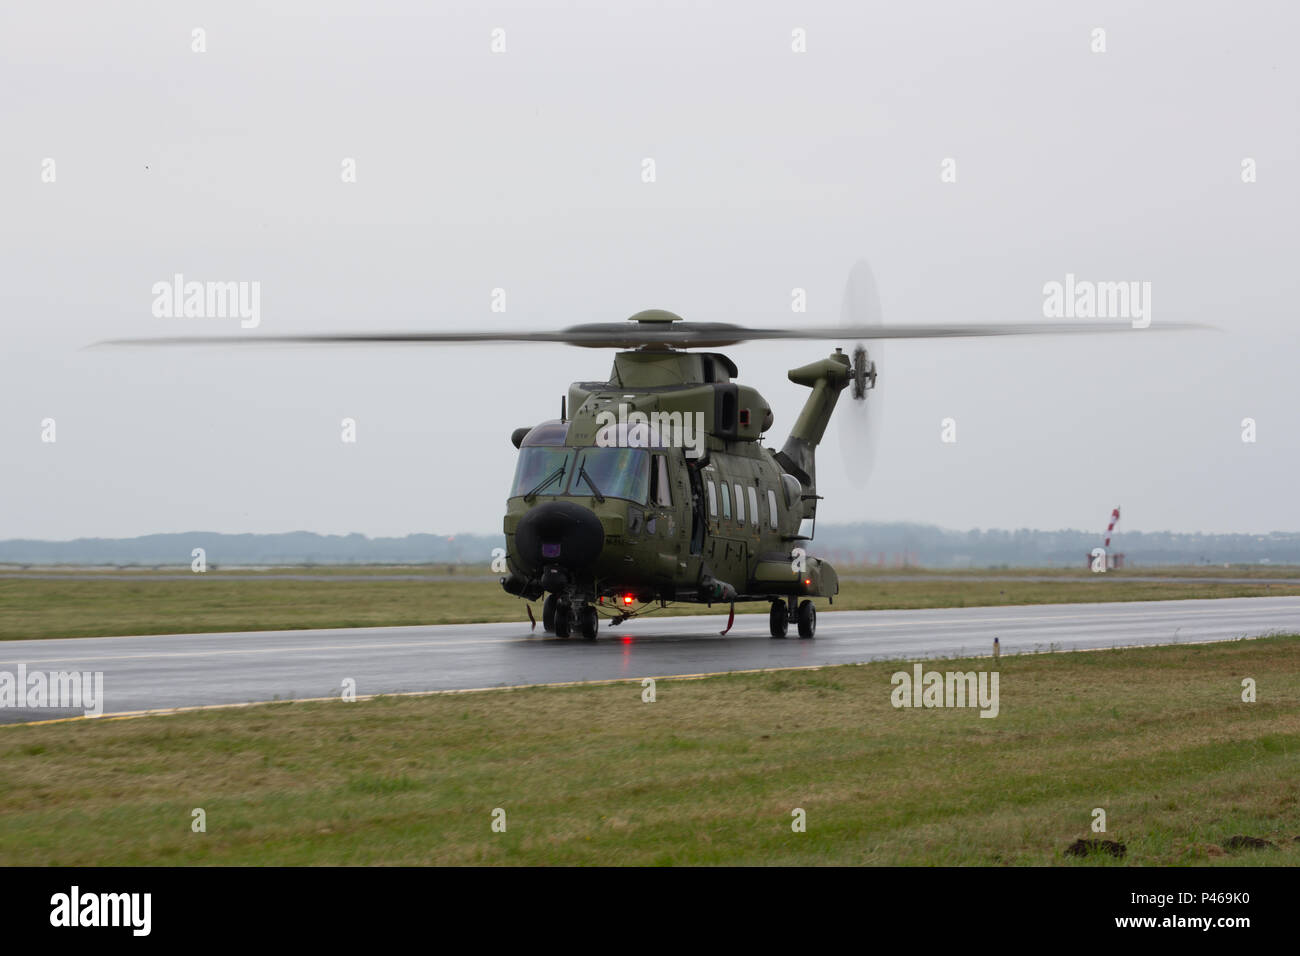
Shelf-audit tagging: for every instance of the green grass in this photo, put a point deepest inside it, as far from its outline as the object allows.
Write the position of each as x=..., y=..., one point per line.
x=1080, y=573
x=430, y=571
x=121, y=603
x=707, y=774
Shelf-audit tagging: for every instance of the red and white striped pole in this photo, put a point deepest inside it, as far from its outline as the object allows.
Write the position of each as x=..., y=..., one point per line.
x=1114, y=518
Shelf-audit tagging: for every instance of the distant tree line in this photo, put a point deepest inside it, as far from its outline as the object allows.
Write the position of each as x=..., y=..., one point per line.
x=888, y=545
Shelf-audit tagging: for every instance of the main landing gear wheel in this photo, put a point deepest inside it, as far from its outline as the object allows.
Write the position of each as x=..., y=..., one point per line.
x=563, y=619
x=588, y=623
x=779, y=619
x=548, y=613
x=807, y=619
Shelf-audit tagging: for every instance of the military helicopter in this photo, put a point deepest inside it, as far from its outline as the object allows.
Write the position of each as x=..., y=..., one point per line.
x=655, y=487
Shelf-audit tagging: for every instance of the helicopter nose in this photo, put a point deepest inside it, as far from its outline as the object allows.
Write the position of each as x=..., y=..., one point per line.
x=559, y=533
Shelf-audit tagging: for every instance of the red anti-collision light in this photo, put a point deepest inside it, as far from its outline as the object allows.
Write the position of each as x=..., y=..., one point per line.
x=627, y=599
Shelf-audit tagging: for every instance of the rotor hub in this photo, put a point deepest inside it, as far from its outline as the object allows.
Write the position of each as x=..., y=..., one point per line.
x=864, y=373
x=655, y=316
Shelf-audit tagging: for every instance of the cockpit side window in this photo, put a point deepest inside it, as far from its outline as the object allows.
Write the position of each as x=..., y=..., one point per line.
x=661, y=492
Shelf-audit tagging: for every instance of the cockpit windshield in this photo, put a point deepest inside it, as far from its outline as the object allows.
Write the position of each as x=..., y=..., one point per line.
x=612, y=472
x=552, y=470
x=536, y=464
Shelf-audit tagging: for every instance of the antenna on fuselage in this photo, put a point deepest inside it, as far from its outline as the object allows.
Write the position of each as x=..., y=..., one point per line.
x=564, y=399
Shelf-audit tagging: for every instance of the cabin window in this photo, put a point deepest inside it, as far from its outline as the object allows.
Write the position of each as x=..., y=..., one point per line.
x=771, y=509
x=660, y=491
x=753, y=506
x=726, y=501
x=793, y=490
x=713, y=498
x=740, y=504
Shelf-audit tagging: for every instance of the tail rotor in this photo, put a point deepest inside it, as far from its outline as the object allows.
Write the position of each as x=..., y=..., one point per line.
x=861, y=416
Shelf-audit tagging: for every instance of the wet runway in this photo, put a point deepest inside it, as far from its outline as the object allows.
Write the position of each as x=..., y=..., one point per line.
x=185, y=670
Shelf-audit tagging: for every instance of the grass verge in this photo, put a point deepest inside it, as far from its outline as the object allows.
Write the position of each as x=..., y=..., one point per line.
x=59, y=607
x=707, y=774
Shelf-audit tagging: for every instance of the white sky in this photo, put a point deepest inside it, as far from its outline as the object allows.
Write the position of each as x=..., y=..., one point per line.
x=522, y=170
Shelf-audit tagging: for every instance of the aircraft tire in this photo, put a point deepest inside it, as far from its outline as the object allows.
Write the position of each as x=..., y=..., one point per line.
x=807, y=619
x=588, y=623
x=778, y=619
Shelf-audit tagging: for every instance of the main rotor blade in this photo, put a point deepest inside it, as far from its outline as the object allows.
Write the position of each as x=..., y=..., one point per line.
x=353, y=338
x=686, y=335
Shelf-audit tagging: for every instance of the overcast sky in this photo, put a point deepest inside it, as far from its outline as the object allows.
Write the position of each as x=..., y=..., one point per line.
x=523, y=170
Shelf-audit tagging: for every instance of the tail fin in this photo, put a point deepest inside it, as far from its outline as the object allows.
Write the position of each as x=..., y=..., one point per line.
x=827, y=379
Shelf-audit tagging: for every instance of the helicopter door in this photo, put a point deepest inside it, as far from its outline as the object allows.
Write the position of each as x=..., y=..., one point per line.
x=698, y=518
x=727, y=551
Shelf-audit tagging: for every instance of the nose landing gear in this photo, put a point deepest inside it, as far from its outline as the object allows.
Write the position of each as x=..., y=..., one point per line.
x=561, y=617
x=588, y=622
